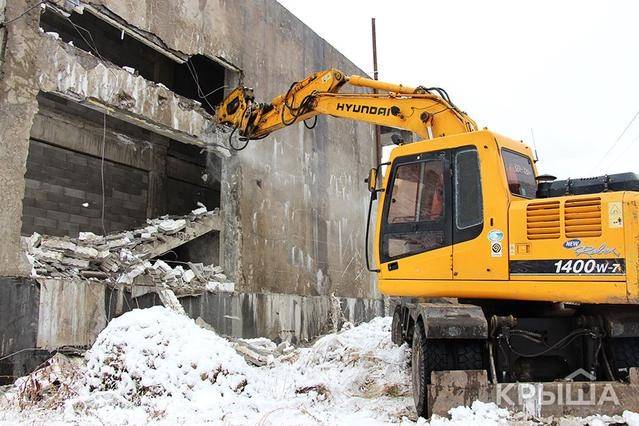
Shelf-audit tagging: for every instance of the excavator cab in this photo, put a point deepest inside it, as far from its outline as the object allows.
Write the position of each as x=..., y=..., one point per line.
x=443, y=213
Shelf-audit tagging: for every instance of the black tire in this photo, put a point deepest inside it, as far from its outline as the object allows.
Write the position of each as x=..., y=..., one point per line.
x=468, y=355
x=625, y=354
x=430, y=355
x=397, y=329
x=420, y=373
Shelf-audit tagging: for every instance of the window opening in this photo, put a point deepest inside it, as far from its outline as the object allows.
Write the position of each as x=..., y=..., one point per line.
x=199, y=78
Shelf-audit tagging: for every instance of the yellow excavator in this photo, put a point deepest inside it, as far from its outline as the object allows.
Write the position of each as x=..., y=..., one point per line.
x=509, y=286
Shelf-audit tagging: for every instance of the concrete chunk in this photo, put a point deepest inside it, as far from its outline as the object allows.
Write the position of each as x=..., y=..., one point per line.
x=46, y=255
x=188, y=276
x=78, y=263
x=171, y=226
x=90, y=237
x=32, y=241
x=86, y=252
x=58, y=244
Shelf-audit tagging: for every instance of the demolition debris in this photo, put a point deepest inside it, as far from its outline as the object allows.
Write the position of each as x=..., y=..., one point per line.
x=127, y=258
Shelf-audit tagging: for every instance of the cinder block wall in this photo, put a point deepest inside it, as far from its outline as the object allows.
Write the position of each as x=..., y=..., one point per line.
x=59, y=182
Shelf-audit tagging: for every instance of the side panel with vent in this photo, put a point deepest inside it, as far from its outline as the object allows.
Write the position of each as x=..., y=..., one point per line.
x=543, y=220
x=568, y=238
x=582, y=218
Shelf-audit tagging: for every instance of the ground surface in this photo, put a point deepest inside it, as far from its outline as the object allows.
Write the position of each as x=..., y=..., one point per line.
x=155, y=365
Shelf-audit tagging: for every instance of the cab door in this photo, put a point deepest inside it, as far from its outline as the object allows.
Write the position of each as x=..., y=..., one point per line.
x=416, y=225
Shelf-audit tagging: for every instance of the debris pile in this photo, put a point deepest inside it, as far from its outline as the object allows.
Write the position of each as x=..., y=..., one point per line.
x=51, y=384
x=126, y=258
x=262, y=351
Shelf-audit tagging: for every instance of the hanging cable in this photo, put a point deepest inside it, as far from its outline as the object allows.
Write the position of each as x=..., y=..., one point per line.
x=233, y=147
x=561, y=343
x=312, y=126
x=614, y=144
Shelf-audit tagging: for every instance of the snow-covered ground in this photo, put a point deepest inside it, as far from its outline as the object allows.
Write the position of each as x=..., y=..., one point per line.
x=154, y=365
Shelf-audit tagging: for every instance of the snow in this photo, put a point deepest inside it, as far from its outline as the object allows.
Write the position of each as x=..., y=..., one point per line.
x=631, y=418
x=153, y=365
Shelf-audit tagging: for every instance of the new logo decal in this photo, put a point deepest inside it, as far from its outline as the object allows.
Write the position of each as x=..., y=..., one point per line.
x=572, y=243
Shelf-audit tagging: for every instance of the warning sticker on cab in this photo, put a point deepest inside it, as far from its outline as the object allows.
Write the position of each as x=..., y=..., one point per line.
x=615, y=214
x=569, y=267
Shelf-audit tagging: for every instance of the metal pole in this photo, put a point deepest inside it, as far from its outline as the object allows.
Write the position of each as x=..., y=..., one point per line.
x=378, y=130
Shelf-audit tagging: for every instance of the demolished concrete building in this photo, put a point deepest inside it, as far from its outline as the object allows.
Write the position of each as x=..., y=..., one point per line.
x=105, y=121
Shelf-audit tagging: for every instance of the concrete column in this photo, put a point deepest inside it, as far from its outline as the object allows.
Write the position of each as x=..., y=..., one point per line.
x=18, y=106
x=231, y=236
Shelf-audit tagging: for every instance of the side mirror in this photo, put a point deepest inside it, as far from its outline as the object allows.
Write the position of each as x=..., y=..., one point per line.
x=371, y=180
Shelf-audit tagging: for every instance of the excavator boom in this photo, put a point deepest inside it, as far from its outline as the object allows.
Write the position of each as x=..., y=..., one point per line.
x=398, y=106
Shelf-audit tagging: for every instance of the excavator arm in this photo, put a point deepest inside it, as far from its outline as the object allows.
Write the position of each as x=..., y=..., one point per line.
x=428, y=112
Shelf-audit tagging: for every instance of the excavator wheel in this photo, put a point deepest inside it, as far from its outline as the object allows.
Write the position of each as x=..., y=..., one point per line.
x=625, y=354
x=397, y=329
x=420, y=371
x=430, y=355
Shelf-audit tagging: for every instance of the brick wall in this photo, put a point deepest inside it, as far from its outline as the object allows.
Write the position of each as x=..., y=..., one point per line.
x=59, y=181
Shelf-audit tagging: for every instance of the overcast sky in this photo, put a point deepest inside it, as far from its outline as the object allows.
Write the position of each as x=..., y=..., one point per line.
x=568, y=70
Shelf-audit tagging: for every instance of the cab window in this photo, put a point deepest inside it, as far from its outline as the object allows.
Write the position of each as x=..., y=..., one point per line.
x=418, y=192
x=520, y=174
x=469, y=210
x=416, y=218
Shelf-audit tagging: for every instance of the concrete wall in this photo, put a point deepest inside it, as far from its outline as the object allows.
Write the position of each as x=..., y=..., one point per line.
x=299, y=199
x=294, y=203
x=37, y=317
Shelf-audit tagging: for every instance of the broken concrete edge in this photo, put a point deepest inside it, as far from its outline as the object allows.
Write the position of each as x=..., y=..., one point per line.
x=162, y=111
x=145, y=36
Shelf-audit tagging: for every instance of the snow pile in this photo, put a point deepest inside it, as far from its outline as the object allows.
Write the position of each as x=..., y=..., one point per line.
x=376, y=366
x=156, y=352
x=154, y=364
x=479, y=413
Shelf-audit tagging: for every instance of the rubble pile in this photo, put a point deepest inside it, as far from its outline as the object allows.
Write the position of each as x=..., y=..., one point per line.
x=126, y=258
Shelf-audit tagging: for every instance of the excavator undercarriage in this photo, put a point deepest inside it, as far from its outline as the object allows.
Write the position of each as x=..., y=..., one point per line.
x=541, y=358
